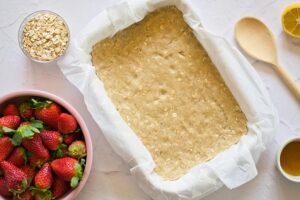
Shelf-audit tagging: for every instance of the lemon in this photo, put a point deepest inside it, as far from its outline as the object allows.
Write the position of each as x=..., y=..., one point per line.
x=290, y=19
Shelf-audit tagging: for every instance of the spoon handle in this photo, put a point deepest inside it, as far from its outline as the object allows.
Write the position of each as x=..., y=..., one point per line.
x=286, y=77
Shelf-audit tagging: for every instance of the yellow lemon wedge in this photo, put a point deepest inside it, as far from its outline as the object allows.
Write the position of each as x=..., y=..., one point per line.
x=290, y=19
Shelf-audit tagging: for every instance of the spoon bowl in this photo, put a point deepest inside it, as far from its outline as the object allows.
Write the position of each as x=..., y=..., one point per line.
x=256, y=39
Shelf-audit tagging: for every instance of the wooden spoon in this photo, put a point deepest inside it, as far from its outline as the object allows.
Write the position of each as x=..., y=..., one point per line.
x=258, y=41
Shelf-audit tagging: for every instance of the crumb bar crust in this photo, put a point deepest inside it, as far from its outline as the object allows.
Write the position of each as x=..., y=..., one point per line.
x=169, y=92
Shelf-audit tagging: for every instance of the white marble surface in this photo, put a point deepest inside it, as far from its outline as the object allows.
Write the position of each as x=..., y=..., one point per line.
x=112, y=181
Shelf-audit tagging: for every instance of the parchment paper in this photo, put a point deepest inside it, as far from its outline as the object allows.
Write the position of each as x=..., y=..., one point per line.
x=231, y=168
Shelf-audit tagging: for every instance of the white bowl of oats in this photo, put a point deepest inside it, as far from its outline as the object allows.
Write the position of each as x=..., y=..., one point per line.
x=44, y=36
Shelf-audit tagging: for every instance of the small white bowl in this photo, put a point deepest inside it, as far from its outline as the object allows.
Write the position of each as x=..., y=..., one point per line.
x=286, y=175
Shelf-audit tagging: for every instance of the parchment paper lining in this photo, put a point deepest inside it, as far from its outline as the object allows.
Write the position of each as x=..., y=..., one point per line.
x=232, y=167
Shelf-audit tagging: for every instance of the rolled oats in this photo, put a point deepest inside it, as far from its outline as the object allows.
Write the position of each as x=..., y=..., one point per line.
x=45, y=37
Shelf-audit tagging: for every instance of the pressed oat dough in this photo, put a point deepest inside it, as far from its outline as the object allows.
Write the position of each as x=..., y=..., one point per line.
x=166, y=88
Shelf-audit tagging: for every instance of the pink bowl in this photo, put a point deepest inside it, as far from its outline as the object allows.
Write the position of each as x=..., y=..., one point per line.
x=18, y=96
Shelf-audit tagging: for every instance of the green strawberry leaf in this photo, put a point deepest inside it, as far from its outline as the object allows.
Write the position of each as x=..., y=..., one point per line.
x=77, y=130
x=39, y=103
x=74, y=181
x=26, y=131
x=58, y=154
x=44, y=194
x=82, y=161
x=78, y=170
x=16, y=139
x=4, y=129
x=18, y=196
x=24, y=185
x=82, y=156
x=29, y=154
x=35, y=190
x=36, y=124
x=25, y=156
x=47, y=195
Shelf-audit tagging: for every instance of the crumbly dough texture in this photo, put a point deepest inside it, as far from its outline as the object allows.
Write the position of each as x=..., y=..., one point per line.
x=167, y=89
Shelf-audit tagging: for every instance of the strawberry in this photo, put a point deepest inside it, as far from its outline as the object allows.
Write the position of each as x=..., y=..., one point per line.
x=68, y=169
x=10, y=109
x=24, y=123
x=66, y=123
x=10, y=121
x=36, y=147
x=18, y=157
x=69, y=138
x=23, y=196
x=6, y=147
x=43, y=178
x=47, y=111
x=51, y=139
x=15, y=178
x=29, y=171
x=26, y=110
x=4, y=191
x=43, y=195
x=59, y=187
x=77, y=149
x=36, y=161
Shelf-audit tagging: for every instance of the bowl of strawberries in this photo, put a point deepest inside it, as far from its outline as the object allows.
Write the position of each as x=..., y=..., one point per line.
x=45, y=147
